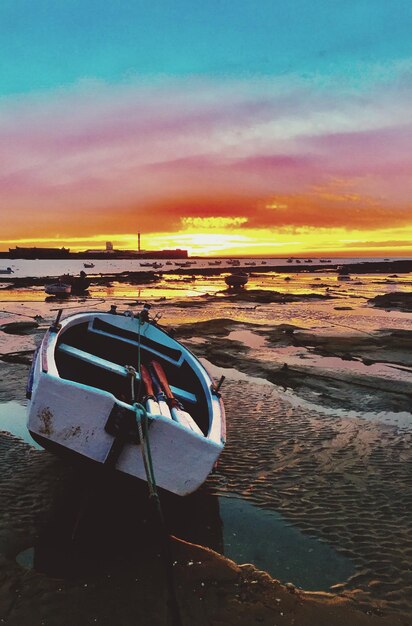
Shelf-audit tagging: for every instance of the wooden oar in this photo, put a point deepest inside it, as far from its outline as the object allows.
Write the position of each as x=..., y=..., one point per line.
x=159, y=395
x=177, y=411
x=151, y=403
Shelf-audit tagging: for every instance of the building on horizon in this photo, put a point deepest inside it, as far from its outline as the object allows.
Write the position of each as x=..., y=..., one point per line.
x=108, y=250
x=38, y=253
x=104, y=253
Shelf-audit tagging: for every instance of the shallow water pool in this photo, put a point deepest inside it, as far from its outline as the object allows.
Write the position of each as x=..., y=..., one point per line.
x=13, y=419
x=266, y=539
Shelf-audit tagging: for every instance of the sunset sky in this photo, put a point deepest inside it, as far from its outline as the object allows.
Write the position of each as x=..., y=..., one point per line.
x=258, y=127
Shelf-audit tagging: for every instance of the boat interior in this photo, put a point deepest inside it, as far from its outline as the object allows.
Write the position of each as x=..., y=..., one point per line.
x=95, y=353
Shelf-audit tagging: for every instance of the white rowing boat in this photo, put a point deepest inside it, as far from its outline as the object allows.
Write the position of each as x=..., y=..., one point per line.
x=86, y=378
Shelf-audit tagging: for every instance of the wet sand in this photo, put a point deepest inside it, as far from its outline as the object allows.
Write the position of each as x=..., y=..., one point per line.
x=337, y=476
x=113, y=573
x=344, y=480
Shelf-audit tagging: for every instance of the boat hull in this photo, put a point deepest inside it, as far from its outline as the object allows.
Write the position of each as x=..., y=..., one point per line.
x=58, y=290
x=71, y=418
x=236, y=280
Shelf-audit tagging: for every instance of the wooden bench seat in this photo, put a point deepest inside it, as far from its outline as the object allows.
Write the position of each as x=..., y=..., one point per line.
x=117, y=369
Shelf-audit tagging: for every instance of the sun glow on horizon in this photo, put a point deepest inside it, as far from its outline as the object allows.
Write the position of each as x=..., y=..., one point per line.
x=238, y=241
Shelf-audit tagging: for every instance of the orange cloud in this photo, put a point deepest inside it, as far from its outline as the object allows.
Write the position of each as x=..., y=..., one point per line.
x=249, y=159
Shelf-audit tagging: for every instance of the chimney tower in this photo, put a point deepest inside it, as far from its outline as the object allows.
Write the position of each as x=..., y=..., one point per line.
x=138, y=242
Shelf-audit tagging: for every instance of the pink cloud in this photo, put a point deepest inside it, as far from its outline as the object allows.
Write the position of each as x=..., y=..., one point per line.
x=112, y=154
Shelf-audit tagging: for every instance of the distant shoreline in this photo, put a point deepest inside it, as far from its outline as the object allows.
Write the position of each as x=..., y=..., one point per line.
x=182, y=255
x=143, y=274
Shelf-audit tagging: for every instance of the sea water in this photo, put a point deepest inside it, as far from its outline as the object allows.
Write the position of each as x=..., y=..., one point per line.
x=57, y=267
x=13, y=420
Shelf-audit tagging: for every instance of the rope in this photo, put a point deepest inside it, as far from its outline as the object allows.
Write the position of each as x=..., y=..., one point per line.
x=139, y=362
x=82, y=306
x=33, y=317
x=142, y=421
x=358, y=330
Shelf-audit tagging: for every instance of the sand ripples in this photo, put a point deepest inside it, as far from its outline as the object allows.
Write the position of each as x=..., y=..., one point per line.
x=345, y=481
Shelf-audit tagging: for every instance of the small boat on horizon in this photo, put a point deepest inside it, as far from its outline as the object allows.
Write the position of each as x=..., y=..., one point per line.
x=154, y=265
x=89, y=265
x=105, y=386
x=6, y=270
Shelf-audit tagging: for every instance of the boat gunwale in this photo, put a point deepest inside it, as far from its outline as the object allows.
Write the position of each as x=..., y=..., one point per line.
x=216, y=431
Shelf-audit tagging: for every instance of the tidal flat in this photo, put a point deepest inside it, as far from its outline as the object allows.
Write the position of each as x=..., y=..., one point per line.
x=307, y=518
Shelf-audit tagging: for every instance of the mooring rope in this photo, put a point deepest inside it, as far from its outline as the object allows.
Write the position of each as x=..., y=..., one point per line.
x=33, y=317
x=358, y=330
x=142, y=421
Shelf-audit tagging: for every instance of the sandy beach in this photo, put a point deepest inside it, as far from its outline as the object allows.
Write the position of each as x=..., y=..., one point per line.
x=317, y=394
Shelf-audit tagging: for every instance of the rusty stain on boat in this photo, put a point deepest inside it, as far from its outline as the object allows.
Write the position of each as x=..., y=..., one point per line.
x=74, y=431
x=46, y=417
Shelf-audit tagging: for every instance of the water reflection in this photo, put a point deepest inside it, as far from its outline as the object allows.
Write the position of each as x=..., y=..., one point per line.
x=106, y=523
x=174, y=286
x=249, y=338
x=266, y=539
x=13, y=419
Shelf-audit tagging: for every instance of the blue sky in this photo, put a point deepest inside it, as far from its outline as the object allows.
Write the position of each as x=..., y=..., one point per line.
x=52, y=43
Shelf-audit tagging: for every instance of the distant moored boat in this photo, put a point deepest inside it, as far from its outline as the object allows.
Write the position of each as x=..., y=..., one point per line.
x=58, y=289
x=238, y=279
x=79, y=284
